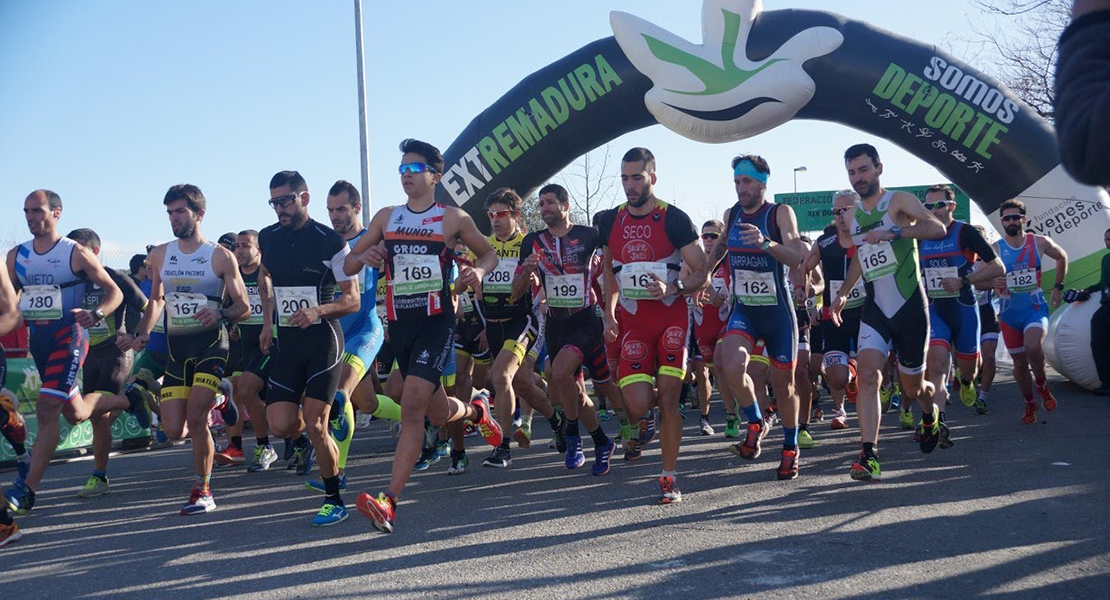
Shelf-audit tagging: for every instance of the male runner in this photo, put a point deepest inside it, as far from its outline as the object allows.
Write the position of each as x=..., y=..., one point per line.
x=885, y=228
x=188, y=278
x=948, y=265
x=645, y=241
x=761, y=239
x=107, y=363
x=1023, y=312
x=50, y=274
x=12, y=426
x=710, y=314
x=304, y=262
x=413, y=244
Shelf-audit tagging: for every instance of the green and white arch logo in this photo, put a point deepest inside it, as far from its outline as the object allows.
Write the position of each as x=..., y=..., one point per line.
x=712, y=92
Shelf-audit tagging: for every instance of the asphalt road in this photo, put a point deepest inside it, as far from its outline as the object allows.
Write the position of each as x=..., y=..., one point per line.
x=1012, y=511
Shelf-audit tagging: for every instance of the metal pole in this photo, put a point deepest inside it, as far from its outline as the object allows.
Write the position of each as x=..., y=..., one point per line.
x=363, y=133
x=795, y=181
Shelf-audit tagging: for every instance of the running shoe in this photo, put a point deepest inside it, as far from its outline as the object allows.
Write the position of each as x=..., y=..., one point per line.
x=805, y=440
x=523, y=438
x=288, y=450
x=443, y=449
x=317, y=485
x=896, y=395
x=500, y=458
x=339, y=427
x=381, y=511
x=866, y=468
x=732, y=426
x=488, y=427
x=199, y=502
x=817, y=415
x=1029, y=417
x=632, y=450
x=574, y=457
x=945, y=437
x=9, y=534
x=769, y=422
x=362, y=421
x=601, y=459
x=647, y=428
x=137, y=406
x=264, y=456
x=20, y=498
x=161, y=440
x=94, y=487
x=682, y=411
x=303, y=459
x=604, y=414
x=839, y=420
x=330, y=514
x=626, y=431
x=458, y=465
x=905, y=418
x=788, y=468
x=852, y=389
x=15, y=428
x=884, y=402
x=668, y=491
x=1047, y=399
x=930, y=434
x=706, y=428
x=428, y=457
x=981, y=406
x=225, y=403
x=750, y=448
x=229, y=456
x=968, y=394
x=559, y=434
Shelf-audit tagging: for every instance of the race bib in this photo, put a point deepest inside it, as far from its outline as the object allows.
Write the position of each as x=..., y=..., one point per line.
x=565, y=291
x=636, y=276
x=855, y=298
x=933, y=278
x=383, y=312
x=416, y=274
x=41, y=303
x=877, y=260
x=1021, y=281
x=467, y=303
x=100, y=330
x=181, y=310
x=255, y=303
x=292, y=299
x=719, y=286
x=754, y=288
x=500, y=280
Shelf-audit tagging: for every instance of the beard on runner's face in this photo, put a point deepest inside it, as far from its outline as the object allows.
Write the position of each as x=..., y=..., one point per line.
x=1013, y=229
x=185, y=230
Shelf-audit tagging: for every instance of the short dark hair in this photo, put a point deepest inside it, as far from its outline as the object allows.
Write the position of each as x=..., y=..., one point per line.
x=432, y=156
x=353, y=197
x=251, y=233
x=292, y=179
x=53, y=200
x=560, y=192
x=639, y=154
x=861, y=149
x=188, y=192
x=506, y=196
x=138, y=261
x=713, y=223
x=949, y=194
x=1012, y=203
x=86, y=237
x=758, y=161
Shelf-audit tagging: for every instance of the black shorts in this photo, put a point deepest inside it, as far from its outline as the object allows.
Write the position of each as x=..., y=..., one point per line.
x=802, y=318
x=515, y=335
x=838, y=344
x=906, y=333
x=422, y=348
x=817, y=338
x=198, y=359
x=468, y=332
x=583, y=333
x=384, y=361
x=106, y=369
x=988, y=323
x=307, y=362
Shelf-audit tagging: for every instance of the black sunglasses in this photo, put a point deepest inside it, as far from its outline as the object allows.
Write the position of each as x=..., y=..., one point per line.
x=709, y=235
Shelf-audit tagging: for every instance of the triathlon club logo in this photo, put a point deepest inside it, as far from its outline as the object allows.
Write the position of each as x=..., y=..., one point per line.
x=712, y=92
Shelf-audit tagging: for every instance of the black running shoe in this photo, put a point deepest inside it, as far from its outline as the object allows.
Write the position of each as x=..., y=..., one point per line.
x=500, y=458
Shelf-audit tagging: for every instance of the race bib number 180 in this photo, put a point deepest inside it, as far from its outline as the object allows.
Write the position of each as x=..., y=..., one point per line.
x=41, y=303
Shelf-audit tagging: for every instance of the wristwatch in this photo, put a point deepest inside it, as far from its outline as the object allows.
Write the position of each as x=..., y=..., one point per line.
x=1059, y=286
x=897, y=231
x=680, y=285
x=766, y=244
x=98, y=315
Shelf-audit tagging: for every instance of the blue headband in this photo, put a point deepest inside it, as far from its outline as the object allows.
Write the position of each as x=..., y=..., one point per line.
x=747, y=167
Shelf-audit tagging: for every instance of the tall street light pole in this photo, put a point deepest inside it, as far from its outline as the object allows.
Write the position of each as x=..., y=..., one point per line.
x=363, y=133
x=796, y=171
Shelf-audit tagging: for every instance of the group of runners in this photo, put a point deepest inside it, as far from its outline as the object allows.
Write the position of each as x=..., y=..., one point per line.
x=421, y=320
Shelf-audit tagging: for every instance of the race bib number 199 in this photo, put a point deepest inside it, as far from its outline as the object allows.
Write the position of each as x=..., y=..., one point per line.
x=566, y=291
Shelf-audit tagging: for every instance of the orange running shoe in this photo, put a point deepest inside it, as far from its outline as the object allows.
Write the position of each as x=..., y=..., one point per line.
x=1047, y=398
x=788, y=468
x=1030, y=415
x=382, y=511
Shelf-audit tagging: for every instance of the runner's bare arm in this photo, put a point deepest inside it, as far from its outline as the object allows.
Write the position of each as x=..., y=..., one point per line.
x=697, y=276
x=375, y=233
x=1053, y=250
x=157, y=300
x=266, y=297
x=925, y=226
x=467, y=232
x=791, y=251
x=85, y=261
x=9, y=304
x=720, y=246
x=227, y=268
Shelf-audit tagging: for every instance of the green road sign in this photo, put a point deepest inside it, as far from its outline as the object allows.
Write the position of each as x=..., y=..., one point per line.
x=814, y=209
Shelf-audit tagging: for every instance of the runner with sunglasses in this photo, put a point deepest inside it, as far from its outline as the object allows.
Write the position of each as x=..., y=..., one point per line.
x=805, y=285
x=885, y=227
x=948, y=265
x=412, y=245
x=1023, y=312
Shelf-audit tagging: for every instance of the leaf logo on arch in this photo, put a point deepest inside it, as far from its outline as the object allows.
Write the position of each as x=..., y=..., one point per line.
x=712, y=92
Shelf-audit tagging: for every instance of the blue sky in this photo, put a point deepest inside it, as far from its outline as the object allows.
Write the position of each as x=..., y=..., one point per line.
x=109, y=103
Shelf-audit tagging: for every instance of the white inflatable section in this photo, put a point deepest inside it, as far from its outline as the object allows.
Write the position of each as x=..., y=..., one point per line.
x=1067, y=346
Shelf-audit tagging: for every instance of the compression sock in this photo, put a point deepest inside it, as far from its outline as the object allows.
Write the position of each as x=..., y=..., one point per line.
x=331, y=490
x=572, y=427
x=263, y=441
x=752, y=413
x=600, y=439
x=387, y=409
x=556, y=420
x=344, y=445
x=236, y=441
x=789, y=438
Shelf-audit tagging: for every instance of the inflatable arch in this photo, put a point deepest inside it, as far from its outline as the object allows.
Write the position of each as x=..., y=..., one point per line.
x=755, y=70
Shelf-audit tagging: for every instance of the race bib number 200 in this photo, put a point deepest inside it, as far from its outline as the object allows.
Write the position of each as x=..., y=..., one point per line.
x=292, y=299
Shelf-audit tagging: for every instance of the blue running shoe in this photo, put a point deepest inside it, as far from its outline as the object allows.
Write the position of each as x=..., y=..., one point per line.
x=288, y=449
x=20, y=499
x=136, y=406
x=575, y=458
x=229, y=412
x=317, y=485
x=339, y=427
x=647, y=428
x=601, y=459
x=303, y=459
x=428, y=457
x=443, y=449
x=330, y=514
x=22, y=467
